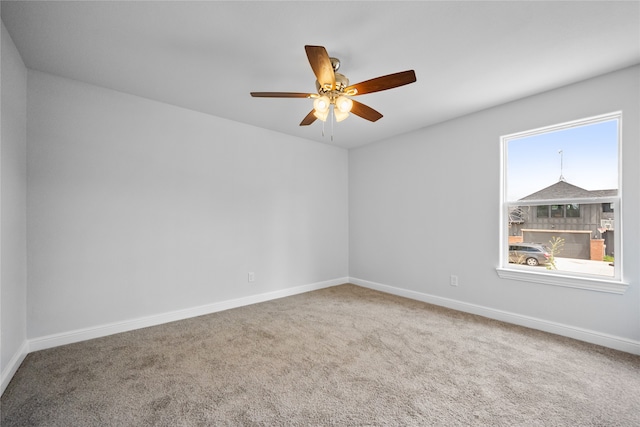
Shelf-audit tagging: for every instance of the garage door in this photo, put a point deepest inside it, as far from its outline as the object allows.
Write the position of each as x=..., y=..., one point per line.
x=576, y=243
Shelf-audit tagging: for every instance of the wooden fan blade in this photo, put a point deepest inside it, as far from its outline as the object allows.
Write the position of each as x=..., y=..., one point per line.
x=383, y=83
x=310, y=118
x=321, y=66
x=280, y=95
x=368, y=113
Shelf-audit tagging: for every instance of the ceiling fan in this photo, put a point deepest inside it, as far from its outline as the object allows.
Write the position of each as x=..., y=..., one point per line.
x=334, y=92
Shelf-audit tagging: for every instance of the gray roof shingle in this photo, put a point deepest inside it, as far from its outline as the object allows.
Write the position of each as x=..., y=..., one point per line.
x=564, y=190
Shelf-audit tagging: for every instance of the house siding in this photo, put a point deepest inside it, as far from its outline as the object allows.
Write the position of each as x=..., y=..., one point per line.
x=575, y=247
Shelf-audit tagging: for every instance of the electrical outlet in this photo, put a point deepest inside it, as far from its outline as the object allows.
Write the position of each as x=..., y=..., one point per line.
x=454, y=280
x=251, y=277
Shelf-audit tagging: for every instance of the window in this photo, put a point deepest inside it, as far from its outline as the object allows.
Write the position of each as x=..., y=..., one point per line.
x=557, y=211
x=568, y=175
x=571, y=210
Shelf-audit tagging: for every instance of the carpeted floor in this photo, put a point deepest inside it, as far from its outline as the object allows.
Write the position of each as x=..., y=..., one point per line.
x=344, y=356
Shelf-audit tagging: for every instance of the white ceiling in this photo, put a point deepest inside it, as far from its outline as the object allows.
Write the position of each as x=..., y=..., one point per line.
x=208, y=56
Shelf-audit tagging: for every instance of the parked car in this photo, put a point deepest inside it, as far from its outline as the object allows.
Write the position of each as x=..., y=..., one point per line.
x=529, y=253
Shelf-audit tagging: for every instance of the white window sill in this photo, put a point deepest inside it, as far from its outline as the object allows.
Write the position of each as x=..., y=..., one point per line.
x=556, y=278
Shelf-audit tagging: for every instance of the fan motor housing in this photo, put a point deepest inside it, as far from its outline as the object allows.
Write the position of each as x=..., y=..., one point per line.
x=341, y=83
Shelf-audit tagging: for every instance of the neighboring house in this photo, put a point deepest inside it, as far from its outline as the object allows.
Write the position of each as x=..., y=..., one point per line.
x=577, y=224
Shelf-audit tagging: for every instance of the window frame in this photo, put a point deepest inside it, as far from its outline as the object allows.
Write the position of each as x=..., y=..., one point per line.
x=505, y=270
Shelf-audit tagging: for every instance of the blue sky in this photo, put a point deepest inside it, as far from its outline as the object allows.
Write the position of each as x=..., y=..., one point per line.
x=589, y=159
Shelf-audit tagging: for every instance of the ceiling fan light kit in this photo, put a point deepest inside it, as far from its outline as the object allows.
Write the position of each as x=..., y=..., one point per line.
x=334, y=91
x=321, y=107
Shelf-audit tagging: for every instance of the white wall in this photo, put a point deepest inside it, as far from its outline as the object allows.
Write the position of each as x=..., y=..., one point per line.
x=425, y=205
x=13, y=187
x=138, y=208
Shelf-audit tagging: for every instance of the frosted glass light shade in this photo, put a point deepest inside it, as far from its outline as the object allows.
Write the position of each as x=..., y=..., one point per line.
x=321, y=105
x=344, y=104
x=340, y=115
x=321, y=115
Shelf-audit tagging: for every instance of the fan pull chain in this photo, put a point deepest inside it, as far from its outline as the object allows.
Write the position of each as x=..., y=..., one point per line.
x=332, y=120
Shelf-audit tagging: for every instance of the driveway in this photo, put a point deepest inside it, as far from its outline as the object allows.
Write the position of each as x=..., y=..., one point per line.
x=601, y=268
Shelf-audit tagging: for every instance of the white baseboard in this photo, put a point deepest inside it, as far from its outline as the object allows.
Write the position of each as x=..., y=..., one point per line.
x=594, y=337
x=70, y=337
x=78, y=335
x=12, y=367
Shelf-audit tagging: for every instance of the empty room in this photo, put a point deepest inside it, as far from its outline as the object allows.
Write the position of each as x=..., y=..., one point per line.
x=320, y=213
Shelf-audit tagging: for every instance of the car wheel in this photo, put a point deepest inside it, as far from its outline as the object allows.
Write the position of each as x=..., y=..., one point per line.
x=532, y=261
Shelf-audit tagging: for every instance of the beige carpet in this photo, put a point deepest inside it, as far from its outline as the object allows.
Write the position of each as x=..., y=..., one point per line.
x=344, y=356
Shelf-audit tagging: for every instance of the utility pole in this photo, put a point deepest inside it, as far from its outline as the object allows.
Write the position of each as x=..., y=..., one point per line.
x=561, y=177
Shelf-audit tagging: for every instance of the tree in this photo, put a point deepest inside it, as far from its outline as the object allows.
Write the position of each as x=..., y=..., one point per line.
x=518, y=214
x=556, y=247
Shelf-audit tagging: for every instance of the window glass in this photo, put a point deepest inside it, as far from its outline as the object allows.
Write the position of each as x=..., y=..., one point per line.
x=557, y=211
x=568, y=174
x=542, y=211
x=573, y=211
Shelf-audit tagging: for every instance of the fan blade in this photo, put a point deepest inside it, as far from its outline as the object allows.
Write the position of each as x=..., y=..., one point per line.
x=321, y=66
x=368, y=113
x=280, y=95
x=310, y=118
x=383, y=83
